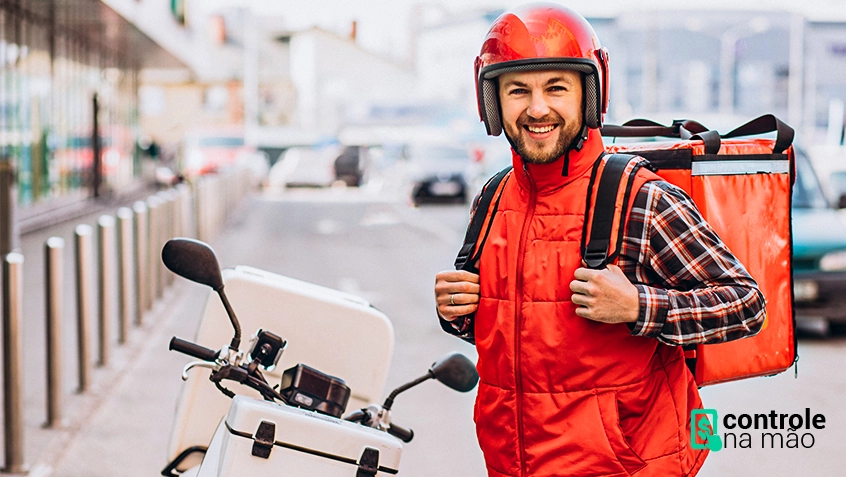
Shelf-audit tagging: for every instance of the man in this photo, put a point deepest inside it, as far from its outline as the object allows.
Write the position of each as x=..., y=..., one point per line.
x=582, y=372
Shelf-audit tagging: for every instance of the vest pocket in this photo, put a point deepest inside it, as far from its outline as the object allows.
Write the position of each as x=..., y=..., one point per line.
x=610, y=416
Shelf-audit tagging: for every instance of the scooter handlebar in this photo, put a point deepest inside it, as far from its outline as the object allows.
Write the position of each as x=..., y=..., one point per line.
x=401, y=433
x=193, y=349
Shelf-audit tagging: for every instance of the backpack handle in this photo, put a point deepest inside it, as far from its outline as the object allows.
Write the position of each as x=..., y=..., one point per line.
x=766, y=124
x=681, y=129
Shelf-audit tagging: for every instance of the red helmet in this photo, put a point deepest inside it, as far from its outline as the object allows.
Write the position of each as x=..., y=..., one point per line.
x=541, y=37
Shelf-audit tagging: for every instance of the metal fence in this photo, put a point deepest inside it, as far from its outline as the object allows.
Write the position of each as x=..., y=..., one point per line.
x=128, y=247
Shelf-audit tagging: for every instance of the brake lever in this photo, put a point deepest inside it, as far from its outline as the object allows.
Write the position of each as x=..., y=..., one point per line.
x=198, y=364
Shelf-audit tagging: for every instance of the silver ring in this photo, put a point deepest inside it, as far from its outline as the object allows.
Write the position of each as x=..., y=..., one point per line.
x=452, y=299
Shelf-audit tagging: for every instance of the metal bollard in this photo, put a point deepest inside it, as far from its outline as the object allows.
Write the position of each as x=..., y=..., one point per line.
x=54, y=251
x=142, y=302
x=187, y=212
x=106, y=274
x=8, y=201
x=124, y=272
x=220, y=205
x=83, y=303
x=164, y=230
x=200, y=211
x=152, y=249
x=13, y=408
x=180, y=212
x=170, y=206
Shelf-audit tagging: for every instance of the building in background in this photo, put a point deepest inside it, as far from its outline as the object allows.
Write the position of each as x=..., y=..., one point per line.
x=726, y=66
x=69, y=76
x=711, y=64
x=279, y=88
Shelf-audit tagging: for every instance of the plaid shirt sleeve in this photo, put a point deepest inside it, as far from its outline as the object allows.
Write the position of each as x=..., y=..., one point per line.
x=692, y=288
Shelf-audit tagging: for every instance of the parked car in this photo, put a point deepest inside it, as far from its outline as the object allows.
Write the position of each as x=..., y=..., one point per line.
x=351, y=165
x=440, y=174
x=304, y=167
x=819, y=254
x=205, y=151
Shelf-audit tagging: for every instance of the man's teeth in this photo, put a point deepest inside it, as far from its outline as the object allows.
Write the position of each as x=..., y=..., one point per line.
x=540, y=130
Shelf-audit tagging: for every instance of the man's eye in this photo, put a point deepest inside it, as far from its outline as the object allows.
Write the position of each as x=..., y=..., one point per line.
x=556, y=89
x=518, y=91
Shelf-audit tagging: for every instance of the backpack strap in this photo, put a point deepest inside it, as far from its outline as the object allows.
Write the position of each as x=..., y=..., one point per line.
x=601, y=248
x=598, y=253
x=469, y=253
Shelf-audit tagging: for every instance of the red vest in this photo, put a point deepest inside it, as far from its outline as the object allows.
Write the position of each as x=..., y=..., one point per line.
x=562, y=395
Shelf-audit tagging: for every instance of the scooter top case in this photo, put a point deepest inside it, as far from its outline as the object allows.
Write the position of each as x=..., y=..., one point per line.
x=264, y=438
x=334, y=332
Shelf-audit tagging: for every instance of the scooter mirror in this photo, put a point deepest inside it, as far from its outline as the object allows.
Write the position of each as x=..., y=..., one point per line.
x=456, y=371
x=193, y=260
x=196, y=261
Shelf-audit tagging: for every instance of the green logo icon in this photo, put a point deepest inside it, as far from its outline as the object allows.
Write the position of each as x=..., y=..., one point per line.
x=703, y=430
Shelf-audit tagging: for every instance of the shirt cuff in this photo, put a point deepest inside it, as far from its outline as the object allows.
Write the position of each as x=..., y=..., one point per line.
x=460, y=326
x=654, y=304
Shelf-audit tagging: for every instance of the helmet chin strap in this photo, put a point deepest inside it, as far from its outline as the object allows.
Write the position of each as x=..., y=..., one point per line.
x=576, y=144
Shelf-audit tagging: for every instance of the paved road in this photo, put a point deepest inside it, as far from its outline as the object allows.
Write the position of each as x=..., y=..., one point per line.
x=388, y=253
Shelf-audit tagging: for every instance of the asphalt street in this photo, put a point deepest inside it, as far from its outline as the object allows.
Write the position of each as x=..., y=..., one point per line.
x=380, y=248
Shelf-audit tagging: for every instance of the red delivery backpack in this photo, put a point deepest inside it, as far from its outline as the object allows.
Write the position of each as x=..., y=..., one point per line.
x=741, y=183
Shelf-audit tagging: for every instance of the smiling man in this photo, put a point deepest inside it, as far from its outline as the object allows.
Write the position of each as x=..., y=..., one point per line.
x=582, y=371
x=537, y=104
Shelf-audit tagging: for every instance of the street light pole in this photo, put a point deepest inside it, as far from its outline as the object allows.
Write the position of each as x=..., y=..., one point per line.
x=796, y=71
x=728, y=58
x=728, y=46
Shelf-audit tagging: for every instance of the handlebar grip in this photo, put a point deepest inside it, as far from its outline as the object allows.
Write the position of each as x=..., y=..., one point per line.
x=401, y=433
x=193, y=349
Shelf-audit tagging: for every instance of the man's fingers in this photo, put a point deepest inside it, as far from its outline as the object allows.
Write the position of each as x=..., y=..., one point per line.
x=585, y=274
x=455, y=299
x=615, y=269
x=577, y=286
x=445, y=287
x=580, y=299
x=450, y=313
x=457, y=276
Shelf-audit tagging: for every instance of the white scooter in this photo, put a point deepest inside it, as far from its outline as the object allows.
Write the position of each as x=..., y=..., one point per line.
x=295, y=428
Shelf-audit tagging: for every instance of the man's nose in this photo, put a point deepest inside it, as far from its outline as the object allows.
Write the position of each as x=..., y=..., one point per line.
x=537, y=107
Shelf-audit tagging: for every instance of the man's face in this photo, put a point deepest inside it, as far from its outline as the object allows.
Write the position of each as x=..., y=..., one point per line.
x=541, y=112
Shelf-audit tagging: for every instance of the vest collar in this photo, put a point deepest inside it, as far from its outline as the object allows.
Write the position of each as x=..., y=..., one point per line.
x=549, y=176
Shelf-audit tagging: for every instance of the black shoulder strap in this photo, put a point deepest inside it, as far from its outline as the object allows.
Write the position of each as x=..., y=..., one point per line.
x=597, y=251
x=466, y=259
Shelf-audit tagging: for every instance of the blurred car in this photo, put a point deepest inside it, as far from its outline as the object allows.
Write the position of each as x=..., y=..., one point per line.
x=837, y=182
x=819, y=254
x=439, y=173
x=304, y=167
x=207, y=150
x=350, y=165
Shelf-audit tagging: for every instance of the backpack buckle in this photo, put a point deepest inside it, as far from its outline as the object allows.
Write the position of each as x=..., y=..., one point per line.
x=596, y=260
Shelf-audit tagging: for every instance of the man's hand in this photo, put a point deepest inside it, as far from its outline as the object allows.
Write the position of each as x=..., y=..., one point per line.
x=605, y=295
x=456, y=293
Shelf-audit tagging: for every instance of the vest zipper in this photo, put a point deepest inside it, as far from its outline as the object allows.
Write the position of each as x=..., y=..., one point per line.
x=518, y=319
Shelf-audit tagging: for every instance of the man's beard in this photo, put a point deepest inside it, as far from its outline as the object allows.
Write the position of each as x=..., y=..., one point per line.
x=566, y=134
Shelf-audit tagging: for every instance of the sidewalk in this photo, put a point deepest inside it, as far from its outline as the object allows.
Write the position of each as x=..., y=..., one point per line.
x=43, y=448
x=125, y=429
